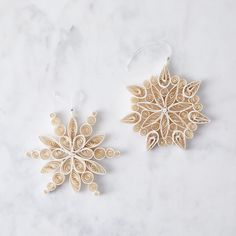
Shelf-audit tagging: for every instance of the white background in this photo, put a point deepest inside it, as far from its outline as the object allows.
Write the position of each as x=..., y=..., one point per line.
x=64, y=46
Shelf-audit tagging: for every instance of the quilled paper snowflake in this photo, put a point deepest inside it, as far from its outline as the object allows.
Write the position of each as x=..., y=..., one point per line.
x=166, y=109
x=75, y=153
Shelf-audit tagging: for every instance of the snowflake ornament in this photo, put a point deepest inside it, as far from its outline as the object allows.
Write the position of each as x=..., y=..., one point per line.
x=74, y=153
x=166, y=110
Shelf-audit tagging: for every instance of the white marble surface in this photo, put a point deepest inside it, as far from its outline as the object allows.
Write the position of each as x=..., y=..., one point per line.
x=63, y=46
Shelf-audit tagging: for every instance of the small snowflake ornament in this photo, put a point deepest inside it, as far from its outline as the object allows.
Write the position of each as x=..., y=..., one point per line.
x=166, y=109
x=75, y=153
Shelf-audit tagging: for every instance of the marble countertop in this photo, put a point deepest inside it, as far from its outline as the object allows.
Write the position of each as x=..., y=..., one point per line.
x=52, y=50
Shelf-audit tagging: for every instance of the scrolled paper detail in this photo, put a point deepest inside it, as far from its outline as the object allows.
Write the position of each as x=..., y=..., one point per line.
x=75, y=153
x=166, y=110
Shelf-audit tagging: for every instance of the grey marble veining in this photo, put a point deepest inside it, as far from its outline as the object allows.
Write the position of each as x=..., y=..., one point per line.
x=65, y=46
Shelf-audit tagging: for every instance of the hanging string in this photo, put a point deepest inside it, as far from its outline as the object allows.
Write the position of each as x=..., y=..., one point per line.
x=77, y=98
x=160, y=45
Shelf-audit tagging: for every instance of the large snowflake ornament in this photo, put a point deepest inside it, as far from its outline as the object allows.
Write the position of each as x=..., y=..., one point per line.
x=74, y=153
x=166, y=109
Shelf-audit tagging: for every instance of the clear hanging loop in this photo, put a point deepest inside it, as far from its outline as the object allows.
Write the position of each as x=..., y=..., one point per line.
x=154, y=55
x=75, y=100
